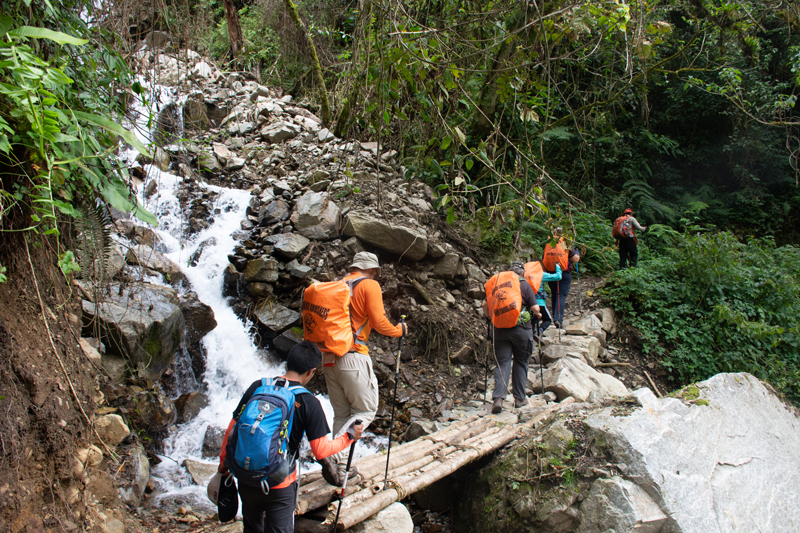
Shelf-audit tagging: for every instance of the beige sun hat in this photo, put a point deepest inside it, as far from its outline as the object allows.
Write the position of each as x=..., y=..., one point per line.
x=365, y=261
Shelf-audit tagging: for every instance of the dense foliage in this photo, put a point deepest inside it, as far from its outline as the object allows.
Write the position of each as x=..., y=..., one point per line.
x=59, y=99
x=708, y=303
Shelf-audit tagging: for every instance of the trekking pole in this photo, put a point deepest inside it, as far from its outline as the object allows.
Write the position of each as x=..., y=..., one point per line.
x=394, y=401
x=578, y=273
x=346, y=475
x=541, y=359
x=486, y=370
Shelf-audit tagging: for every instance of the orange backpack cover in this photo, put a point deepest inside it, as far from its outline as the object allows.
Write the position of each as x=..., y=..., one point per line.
x=553, y=255
x=326, y=315
x=534, y=274
x=504, y=298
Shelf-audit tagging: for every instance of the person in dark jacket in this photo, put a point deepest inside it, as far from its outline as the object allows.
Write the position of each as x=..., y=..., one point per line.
x=515, y=344
x=274, y=512
x=627, y=241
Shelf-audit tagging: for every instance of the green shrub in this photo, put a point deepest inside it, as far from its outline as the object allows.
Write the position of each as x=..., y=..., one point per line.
x=712, y=304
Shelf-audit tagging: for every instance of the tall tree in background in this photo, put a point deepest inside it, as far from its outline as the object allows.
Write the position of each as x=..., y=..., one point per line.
x=234, y=28
x=316, y=67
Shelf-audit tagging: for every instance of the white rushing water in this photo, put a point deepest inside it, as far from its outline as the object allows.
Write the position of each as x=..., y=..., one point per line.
x=232, y=361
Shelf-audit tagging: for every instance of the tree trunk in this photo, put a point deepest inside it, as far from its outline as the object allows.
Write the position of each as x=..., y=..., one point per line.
x=325, y=106
x=234, y=28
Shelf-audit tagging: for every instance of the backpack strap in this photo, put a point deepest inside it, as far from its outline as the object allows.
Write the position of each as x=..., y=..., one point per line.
x=353, y=283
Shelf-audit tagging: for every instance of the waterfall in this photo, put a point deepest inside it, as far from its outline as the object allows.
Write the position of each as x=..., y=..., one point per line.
x=232, y=361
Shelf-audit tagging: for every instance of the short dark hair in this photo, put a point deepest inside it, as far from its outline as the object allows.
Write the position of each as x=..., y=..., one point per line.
x=303, y=357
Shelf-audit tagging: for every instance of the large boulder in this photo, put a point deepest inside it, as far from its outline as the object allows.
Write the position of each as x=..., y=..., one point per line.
x=620, y=506
x=586, y=347
x=134, y=476
x=263, y=269
x=572, y=377
x=111, y=429
x=316, y=216
x=399, y=240
x=585, y=326
x=723, y=456
x=149, y=258
x=275, y=211
x=447, y=267
x=140, y=322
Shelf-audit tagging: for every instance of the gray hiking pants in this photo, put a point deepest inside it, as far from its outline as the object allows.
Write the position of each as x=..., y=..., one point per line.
x=513, y=343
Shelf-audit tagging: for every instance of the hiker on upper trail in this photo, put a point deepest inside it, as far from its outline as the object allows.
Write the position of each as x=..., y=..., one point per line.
x=559, y=254
x=352, y=385
x=272, y=510
x=626, y=238
x=510, y=304
x=535, y=275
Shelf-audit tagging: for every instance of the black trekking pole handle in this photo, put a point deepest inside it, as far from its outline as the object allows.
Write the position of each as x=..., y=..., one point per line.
x=346, y=475
x=394, y=399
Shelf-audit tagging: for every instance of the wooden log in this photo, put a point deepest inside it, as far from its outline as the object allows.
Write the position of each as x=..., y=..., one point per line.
x=422, y=292
x=310, y=477
x=606, y=365
x=653, y=383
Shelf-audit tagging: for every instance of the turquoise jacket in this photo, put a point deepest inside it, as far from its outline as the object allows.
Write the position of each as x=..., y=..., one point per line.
x=541, y=295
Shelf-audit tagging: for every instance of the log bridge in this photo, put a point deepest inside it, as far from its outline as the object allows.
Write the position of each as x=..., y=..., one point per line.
x=413, y=466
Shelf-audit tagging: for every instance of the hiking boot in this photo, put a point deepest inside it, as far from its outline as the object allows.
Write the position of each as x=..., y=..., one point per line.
x=497, y=406
x=330, y=471
x=520, y=403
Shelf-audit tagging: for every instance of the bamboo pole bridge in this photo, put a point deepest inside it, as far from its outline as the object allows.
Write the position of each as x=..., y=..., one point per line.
x=412, y=467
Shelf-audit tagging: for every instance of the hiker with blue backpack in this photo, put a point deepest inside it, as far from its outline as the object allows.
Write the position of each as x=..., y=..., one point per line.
x=262, y=441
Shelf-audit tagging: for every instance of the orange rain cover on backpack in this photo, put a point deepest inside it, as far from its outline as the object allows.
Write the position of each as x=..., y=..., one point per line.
x=504, y=298
x=326, y=315
x=553, y=255
x=534, y=274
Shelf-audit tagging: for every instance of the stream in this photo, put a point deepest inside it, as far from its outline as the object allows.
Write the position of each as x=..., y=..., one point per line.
x=233, y=361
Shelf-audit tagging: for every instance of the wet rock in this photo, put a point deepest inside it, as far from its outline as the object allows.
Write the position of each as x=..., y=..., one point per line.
x=147, y=257
x=288, y=245
x=200, y=471
x=212, y=441
x=161, y=159
x=409, y=243
x=188, y=406
x=199, y=317
x=138, y=234
x=230, y=281
x=262, y=269
x=316, y=216
x=258, y=289
x=112, y=429
x=198, y=253
x=140, y=322
x=275, y=317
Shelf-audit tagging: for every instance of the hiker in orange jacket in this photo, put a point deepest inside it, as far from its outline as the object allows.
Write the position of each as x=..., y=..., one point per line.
x=352, y=385
x=624, y=233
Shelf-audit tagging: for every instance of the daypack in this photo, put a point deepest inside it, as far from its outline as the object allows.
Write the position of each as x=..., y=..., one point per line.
x=534, y=274
x=555, y=254
x=504, y=298
x=623, y=227
x=327, y=320
x=258, y=444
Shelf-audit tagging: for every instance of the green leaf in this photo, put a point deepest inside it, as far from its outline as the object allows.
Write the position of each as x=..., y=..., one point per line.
x=115, y=128
x=468, y=163
x=451, y=215
x=43, y=33
x=446, y=142
x=386, y=117
x=6, y=23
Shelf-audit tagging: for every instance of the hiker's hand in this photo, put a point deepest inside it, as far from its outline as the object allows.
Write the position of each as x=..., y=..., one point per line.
x=222, y=469
x=355, y=430
x=537, y=311
x=405, y=328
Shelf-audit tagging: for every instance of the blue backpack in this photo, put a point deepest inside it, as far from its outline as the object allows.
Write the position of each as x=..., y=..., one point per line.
x=258, y=445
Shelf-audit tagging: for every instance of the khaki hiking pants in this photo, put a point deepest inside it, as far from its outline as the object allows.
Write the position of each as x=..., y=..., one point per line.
x=353, y=391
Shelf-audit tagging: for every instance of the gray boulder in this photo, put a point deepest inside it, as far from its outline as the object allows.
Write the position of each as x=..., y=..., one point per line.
x=316, y=216
x=393, y=519
x=572, y=377
x=199, y=317
x=722, y=458
x=447, y=266
x=135, y=476
x=399, y=240
x=140, y=322
x=288, y=245
x=275, y=211
x=280, y=132
x=587, y=347
x=275, y=317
